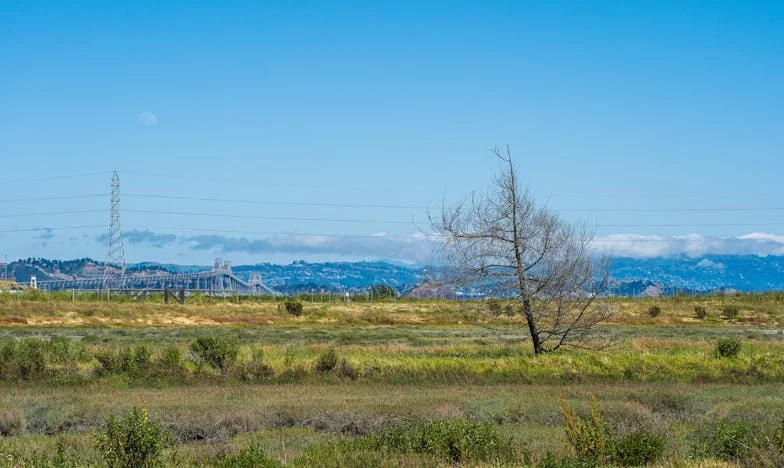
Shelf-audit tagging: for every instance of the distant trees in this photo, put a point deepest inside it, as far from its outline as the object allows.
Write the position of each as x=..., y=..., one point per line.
x=382, y=291
x=536, y=259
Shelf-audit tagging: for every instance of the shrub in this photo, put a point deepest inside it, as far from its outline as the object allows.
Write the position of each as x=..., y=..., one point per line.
x=728, y=440
x=293, y=308
x=454, y=441
x=219, y=353
x=253, y=368
x=494, y=306
x=327, y=361
x=31, y=358
x=171, y=363
x=640, y=447
x=346, y=370
x=11, y=422
x=728, y=347
x=700, y=312
x=590, y=436
x=654, y=311
x=730, y=311
x=251, y=456
x=137, y=360
x=134, y=440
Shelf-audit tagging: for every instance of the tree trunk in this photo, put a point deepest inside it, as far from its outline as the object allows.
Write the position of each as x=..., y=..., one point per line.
x=529, y=317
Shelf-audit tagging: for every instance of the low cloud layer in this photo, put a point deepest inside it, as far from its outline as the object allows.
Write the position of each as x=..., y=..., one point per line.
x=693, y=245
x=409, y=248
x=421, y=248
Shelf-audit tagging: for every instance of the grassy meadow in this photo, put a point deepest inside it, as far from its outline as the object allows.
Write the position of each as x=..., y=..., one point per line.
x=243, y=382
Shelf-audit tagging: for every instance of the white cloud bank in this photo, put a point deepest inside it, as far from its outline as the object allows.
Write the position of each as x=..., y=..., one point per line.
x=147, y=118
x=418, y=247
x=693, y=245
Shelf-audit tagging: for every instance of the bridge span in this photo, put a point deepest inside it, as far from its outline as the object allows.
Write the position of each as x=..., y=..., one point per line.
x=220, y=281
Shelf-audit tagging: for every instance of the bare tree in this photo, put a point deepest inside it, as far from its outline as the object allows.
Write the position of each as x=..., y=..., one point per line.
x=531, y=256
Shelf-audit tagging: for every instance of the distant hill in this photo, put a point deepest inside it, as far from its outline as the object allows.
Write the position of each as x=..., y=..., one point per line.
x=631, y=276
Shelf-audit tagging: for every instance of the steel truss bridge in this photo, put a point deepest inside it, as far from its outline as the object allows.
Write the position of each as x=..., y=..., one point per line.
x=220, y=281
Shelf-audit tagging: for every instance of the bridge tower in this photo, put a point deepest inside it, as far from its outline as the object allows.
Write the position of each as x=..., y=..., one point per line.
x=115, y=252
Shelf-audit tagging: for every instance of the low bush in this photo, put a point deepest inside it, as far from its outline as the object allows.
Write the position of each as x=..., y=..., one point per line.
x=654, y=311
x=453, y=441
x=589, y=436
x=254, y=367
x=219, y=353
x=730, y=311
x=251, y=456
x=347, y=371
x=638, y=448
x=12, y=422
x=294, y=308
x=700, y=312
x=134, y=440
x=494, y=306
x=327, y=361
x=728, y=347
x=727, y=440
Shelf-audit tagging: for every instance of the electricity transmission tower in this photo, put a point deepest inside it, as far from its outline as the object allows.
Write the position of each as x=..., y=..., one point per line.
x=115, y=252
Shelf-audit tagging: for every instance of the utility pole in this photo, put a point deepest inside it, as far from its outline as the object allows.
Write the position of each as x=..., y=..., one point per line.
x=115, y=252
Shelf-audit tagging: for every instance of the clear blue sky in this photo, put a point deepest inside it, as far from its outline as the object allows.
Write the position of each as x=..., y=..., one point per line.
x=606, y=105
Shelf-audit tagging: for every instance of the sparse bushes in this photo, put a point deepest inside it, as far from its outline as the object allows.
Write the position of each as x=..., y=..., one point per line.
x=700, y=312
x=494, y=306
x=456, y=441
x=218, y=353
x=728, y=347
x=293, y=308
x=654, y=311
x=254, y=367
x=327, y=361
x=730, y=311
x=134, y=440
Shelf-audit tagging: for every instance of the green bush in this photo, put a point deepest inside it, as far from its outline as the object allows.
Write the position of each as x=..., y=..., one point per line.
x=327, y=361
x=728, y=440
x=253, y=368
x=654, y=311
x=700, y=312
x=590, y=436
x=730, y=311
x=728, y=347
x=251, y=456
x=640, y=447
x=31, y=358
x=293, y=308
x=134, y=440
x=219, y=353
x=171, y=363
x=494, y=306
x=453, y=441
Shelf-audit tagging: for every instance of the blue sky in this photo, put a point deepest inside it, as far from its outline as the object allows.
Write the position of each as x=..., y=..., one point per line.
x=616, y=106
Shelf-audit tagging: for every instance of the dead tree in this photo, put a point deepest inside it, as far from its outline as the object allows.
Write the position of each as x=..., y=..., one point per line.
x=529, y=256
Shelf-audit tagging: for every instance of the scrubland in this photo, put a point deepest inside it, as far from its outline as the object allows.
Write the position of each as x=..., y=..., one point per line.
x=243, y=382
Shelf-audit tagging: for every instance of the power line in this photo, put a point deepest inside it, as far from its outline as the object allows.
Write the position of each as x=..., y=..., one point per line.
x=61, y=228
x=50, y=213
x=61, y=176
x=277, y=218
x=279, y=203
x=278, y=233
x=67, y=197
